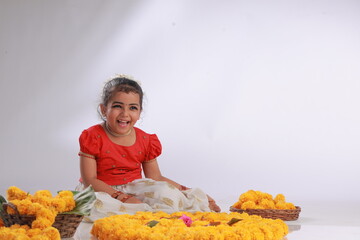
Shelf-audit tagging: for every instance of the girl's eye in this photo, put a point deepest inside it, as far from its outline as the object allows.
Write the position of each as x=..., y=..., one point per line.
x=133, y=108
x=116, y=106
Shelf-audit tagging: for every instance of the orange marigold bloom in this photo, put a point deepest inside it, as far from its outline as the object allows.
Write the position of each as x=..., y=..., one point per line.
x=290, y=206
x=267, y=204
x=70, y=204
x=51, y=233
x=267, y=196
x=15, y=193
x=248, y=205
x=34, y=208
x=43, y=200
x=43, y=193
x=33, y=232
x=68, y=197
x=248, y=196
x=280, y=205
x=237, y=205
x=41, y=223
x=47, y=213
x=65, y=193
x=59, y=204
x=279, y=198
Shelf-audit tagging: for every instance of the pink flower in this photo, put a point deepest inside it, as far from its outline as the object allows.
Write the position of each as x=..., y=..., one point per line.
x=187, y=220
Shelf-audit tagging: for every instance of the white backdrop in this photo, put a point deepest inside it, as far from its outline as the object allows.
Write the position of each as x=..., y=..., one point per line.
x=244, y=95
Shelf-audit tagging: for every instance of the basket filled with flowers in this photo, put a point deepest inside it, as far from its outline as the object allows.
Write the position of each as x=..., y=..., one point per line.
x=264, y=205
x=43, y=212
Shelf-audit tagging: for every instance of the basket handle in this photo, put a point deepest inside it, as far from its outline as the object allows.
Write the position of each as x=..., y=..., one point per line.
x=10, y=205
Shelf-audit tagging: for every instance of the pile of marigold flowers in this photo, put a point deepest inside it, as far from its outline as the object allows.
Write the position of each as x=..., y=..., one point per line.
x=185, y=225
x=261, y=200
x=43, y=206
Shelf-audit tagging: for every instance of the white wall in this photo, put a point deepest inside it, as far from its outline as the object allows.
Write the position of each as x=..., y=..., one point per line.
x=244, y=95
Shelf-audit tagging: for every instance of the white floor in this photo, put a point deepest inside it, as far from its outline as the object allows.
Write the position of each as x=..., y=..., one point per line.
x=317, y=221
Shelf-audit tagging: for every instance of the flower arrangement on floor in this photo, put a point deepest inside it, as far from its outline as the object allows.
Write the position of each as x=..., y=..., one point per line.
x=261, y=200
x=45, y=208
x=185, y=225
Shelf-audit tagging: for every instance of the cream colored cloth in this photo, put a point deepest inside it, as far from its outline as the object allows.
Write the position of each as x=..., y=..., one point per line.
x=155, y=195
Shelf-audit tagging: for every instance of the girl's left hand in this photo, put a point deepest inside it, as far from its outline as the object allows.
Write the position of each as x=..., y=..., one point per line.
x=212, y=204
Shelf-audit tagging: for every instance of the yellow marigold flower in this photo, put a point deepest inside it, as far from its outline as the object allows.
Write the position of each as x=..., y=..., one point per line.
x=41, y=223
x=42, y=199
x=59, y=204
x=68, y=197
x=237, y=205
x=282, y=225
x=39, y=237
x=266, y=196
x=280, y=205
x=279, y=198
x=33, y=232
x=248, y=205
x=267, y=204
x=52, y=233
x=17, y=226
x=16, y=193
x=248, y=196
x=65, y=194
x=34, y=208
x=12, y=235
x=22, y=206
x=47, y=213
x=43, y=193
x=290, y=206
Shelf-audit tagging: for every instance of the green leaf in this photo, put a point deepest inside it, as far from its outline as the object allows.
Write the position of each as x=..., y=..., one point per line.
x=233, y=221
x=2, y=200
x=84, y=202
x=152, y=223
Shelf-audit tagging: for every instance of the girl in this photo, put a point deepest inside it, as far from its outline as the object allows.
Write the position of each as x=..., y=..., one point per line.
x=113, y=155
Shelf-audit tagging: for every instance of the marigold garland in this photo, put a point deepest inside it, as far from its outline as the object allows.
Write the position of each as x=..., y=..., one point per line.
x=42, y=205
x=208, y=225
x=261, y=200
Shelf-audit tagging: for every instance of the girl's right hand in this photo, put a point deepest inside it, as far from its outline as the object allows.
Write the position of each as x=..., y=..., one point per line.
x=127, y=198
x=133, y=200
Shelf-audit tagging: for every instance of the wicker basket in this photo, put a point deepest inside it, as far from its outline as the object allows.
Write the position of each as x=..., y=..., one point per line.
x=65, y=223
x=283, y=214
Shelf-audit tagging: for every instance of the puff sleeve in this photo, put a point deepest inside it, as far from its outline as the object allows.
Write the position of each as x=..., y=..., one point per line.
x=154, y=148
x=89, y=143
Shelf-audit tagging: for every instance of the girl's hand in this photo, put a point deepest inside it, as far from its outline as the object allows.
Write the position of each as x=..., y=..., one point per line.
x=128, y=198
x=132, y=199
x=212, y=204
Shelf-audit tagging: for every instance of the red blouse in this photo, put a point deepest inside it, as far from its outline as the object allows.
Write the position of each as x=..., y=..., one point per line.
x=116, y=164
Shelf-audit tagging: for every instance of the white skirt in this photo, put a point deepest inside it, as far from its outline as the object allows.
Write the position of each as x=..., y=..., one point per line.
x=155, y=195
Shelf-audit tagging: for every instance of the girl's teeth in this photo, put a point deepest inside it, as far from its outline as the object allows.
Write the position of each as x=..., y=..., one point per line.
x=122, y=123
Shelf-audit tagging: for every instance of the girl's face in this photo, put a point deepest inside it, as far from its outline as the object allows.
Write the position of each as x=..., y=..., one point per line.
x=122, y=111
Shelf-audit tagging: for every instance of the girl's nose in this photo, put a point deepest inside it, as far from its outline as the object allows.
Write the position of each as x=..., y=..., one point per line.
x=125, y=112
